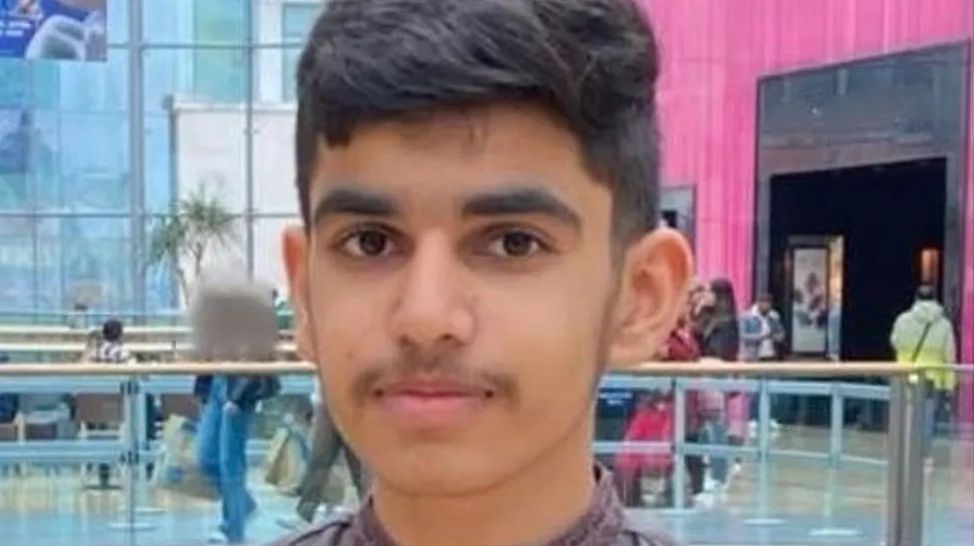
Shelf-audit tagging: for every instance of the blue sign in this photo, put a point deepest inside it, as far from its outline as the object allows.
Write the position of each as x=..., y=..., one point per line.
x=53, y=29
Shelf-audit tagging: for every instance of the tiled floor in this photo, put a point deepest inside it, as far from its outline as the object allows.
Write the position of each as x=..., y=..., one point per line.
x=53, y=510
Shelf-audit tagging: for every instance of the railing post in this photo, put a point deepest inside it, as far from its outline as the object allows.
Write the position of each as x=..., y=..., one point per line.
x=914, y=493
x=832, y=493
x=894, y=468
x=764, y=456
x=679, y=442
x=837, y=425
x=144, y=445
x=130, y=458
x=904, y=511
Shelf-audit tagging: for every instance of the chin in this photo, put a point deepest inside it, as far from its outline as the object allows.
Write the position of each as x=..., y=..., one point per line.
x=443, y=472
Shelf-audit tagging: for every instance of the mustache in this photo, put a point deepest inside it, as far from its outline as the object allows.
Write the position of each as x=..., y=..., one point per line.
x=413, y=367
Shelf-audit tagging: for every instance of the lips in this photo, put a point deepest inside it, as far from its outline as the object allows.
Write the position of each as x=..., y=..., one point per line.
x=431, y=403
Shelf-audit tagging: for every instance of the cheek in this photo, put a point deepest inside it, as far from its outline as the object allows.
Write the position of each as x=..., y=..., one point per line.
x=346, y=316
x=347, y=327
x=551, y=340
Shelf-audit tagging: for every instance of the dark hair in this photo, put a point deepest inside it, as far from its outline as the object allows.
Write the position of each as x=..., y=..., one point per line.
x=593, y=63
x=926, y=292
x=765, y=297
x=112, y=330
x=725, y=304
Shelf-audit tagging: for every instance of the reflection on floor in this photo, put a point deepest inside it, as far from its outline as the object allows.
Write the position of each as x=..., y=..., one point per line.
x=46, y=508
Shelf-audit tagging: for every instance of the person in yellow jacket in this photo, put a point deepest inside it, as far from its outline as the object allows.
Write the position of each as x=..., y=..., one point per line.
x=924, y=336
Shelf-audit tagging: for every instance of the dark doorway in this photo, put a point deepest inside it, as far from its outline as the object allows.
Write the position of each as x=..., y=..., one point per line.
x=888, y=215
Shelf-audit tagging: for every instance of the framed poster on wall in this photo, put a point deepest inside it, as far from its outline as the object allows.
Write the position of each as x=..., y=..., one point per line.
x=73, y=30
x=809, y=300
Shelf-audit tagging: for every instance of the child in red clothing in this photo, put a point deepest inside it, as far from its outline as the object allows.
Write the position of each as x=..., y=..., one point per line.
x=653, y=421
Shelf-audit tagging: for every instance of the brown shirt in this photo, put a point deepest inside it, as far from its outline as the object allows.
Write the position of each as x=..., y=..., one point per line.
x=605, y=524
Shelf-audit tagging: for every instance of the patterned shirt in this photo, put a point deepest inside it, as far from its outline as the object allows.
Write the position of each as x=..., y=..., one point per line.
x=605, y=524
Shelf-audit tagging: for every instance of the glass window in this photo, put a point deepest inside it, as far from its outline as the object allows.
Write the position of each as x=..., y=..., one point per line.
x=84, y=260
x=95, y=86
x=118, y=21
x=28, y=83
x=15, y=159
x=28, y=157
x=169, y=21
x=167, y=73
x=219, y=74
x=15, y=77
x=274, y=189
x=158, y=163
x=297, y=21
x=93, y=156
x=18, y=289
x=160, y=283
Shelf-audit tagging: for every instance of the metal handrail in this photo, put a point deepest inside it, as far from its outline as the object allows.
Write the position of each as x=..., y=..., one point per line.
x=65, y=331
x=763, y=379
x=665, y=369
x=137, y=347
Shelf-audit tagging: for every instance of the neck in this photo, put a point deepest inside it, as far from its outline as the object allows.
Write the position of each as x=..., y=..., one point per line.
x=536, y=505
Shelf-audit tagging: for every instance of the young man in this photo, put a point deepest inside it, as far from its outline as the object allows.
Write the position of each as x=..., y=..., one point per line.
x=761, y=331
x=762, y=335
x=479, y=183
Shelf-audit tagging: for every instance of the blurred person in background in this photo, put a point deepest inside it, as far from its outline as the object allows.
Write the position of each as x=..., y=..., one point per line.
x=232, y=320
x=682, y=346
x=326, y=445
x=92, y=346
x=924, y=336
x=78, y=318
x=9, y=402
x=111, y=347
x=719, y=338
x=762, y=333
x=762, y=338
x=283, y=311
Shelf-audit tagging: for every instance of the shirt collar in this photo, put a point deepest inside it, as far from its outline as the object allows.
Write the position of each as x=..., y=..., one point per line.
x=600, y=525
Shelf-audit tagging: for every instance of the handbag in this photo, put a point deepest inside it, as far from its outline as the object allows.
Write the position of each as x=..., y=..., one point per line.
x=178, y=469
x=287, y=460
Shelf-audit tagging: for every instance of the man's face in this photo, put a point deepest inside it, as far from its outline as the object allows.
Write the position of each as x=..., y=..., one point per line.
x=764, y=306
x=460, y=297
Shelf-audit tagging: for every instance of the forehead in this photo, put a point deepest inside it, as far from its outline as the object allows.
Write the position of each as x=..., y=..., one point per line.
x=435, y=158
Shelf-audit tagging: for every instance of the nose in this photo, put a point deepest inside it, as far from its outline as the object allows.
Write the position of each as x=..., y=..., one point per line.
x=432, y=311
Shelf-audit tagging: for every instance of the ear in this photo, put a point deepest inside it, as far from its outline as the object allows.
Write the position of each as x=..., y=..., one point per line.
x=655, y=278
x=295, y=245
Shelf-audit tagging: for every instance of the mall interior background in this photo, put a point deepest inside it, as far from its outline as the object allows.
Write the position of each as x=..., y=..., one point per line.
x=90, y=162
x=80, y=194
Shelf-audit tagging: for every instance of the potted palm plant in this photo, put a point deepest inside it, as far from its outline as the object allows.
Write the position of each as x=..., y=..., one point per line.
x=182, y=240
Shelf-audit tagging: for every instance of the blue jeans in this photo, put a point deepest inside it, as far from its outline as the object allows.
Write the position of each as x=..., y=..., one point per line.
x=223, y=456
x=714, y=432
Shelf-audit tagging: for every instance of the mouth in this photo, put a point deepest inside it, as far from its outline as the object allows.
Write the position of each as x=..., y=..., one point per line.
x=432, y=404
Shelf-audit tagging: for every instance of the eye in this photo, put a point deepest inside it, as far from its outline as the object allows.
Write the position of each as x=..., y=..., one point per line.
x=367, y=243
x=515, y=244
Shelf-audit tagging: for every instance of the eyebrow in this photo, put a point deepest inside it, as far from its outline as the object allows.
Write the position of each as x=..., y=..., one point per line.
x=355, y=202
x=521, y=201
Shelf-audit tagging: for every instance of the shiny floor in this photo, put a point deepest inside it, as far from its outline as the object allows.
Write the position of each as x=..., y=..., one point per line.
x=812, y=505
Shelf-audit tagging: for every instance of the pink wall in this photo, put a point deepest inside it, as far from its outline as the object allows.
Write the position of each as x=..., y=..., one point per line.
x=713, y=53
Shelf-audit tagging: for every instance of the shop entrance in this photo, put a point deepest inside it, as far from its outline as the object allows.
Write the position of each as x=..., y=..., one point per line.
x=889, y=222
